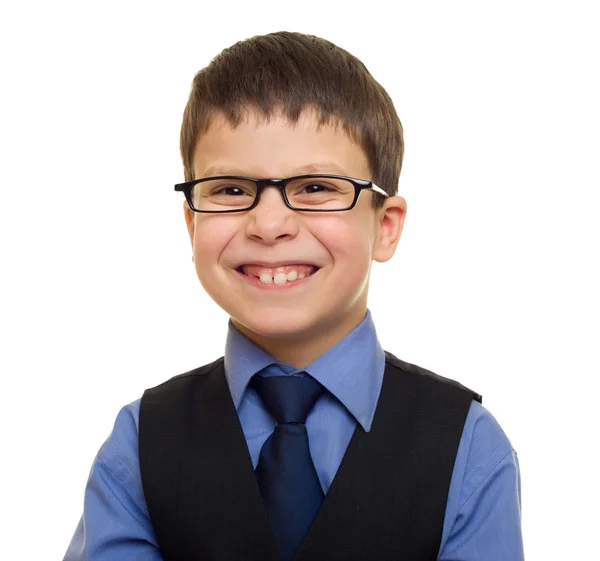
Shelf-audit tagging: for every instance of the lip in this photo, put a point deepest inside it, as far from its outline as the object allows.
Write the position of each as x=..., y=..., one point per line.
x=272, y=287
x=276, y=264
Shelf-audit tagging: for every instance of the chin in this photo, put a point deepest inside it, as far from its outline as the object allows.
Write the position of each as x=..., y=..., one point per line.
x=278, y=323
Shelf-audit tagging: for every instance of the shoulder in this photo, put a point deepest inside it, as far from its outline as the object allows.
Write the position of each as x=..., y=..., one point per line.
x=487, y=443
x=124, y=431
x=484, y=450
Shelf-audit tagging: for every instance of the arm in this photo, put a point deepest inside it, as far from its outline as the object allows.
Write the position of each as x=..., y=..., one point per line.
x=115, y=525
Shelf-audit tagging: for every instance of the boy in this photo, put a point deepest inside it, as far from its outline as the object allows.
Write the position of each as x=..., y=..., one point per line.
x=306, y=440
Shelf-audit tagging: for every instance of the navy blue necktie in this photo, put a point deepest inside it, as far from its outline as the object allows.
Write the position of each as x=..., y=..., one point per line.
x=285, y=472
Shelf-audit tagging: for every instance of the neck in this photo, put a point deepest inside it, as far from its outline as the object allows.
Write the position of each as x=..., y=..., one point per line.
x=301, y=350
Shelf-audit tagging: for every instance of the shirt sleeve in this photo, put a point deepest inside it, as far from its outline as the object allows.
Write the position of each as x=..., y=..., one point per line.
x=115, y=525
x=487, y=524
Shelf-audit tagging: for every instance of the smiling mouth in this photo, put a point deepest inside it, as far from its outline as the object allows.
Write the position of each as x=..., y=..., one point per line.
x=279, y=276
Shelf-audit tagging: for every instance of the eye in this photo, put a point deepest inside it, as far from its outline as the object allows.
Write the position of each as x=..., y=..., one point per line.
x=234, y=190
x=317, y=187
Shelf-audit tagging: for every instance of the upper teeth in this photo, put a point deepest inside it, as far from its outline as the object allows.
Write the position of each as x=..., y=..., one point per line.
x=280, y=278
x=278, y=275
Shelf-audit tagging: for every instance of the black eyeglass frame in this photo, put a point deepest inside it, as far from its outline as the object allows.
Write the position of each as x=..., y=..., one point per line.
x=359, y=185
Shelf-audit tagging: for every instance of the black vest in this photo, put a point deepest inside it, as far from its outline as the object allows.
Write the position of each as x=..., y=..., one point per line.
x=387, y=500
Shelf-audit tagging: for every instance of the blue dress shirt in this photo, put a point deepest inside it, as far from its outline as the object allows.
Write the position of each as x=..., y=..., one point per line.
x=483, y=512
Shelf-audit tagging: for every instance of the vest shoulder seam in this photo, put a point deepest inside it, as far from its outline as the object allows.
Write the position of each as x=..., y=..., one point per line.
x=415, y=369
x=199, y=371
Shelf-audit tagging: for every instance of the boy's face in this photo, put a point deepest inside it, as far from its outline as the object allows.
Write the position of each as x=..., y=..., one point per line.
x=295, y=324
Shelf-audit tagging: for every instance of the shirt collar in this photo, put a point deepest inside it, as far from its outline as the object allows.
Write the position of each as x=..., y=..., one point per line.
x=352, y=370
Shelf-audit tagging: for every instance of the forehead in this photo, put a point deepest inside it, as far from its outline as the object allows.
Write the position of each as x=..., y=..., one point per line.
x=278, y=147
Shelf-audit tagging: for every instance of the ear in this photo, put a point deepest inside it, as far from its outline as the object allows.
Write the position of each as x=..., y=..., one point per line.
x=189, y=221
x=390, y=221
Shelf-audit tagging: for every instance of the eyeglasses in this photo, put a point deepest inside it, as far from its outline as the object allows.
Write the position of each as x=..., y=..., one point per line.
x=310, y=193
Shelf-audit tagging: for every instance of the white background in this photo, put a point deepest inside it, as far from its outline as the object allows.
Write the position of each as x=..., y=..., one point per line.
x=495, y=282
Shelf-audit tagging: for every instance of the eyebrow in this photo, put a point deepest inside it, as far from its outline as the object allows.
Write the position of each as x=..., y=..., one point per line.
x=320, y=167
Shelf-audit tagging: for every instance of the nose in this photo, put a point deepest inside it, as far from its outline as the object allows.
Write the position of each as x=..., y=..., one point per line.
x=271, y=220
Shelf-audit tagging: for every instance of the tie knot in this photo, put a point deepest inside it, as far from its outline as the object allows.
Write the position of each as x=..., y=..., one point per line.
x=288, y=398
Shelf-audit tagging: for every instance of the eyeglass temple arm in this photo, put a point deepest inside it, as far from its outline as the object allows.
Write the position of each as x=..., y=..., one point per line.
x=379, y=190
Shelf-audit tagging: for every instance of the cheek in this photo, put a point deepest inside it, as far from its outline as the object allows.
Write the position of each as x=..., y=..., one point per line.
x=210, y=238
x=346, y=240
x=210, y=242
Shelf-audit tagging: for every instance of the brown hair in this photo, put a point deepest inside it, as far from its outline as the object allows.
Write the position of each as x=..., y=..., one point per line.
x=289, y=72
